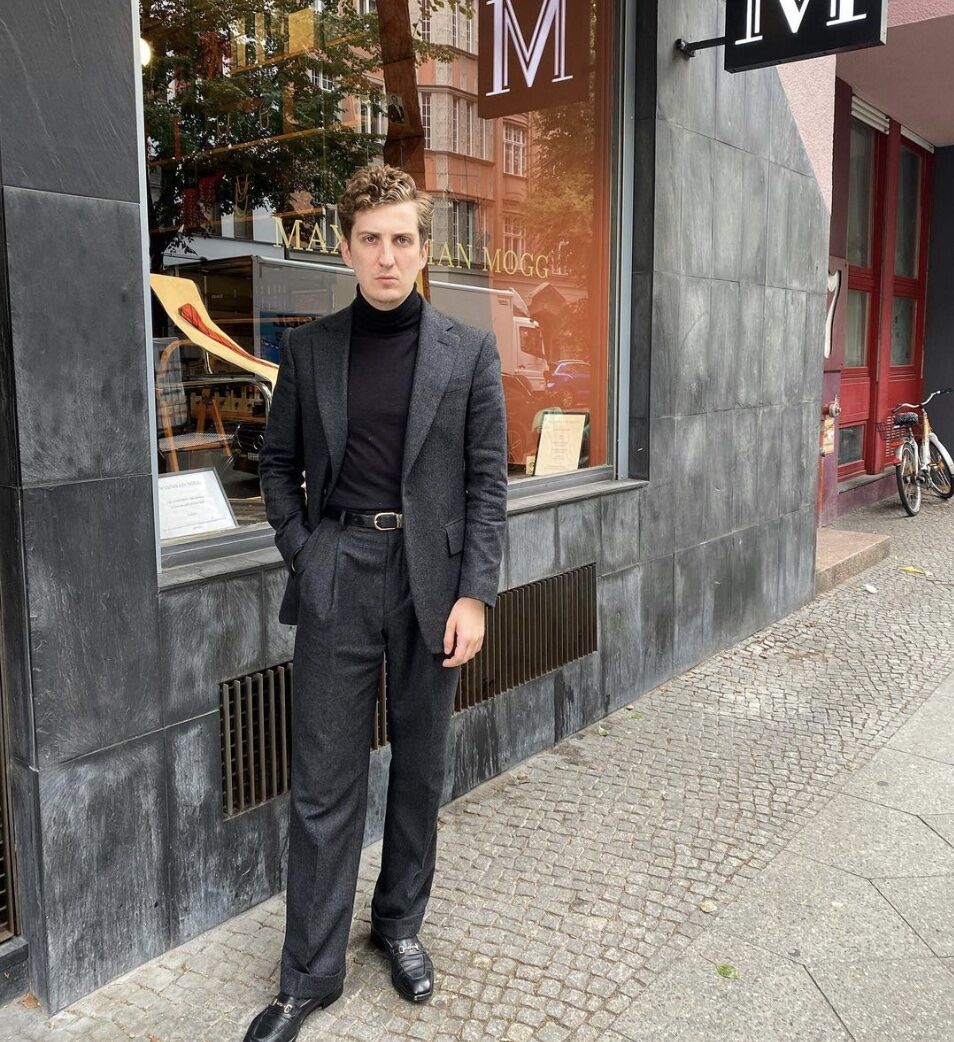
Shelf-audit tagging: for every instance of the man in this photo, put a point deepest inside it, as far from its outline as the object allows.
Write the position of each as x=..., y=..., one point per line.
x=395, y=414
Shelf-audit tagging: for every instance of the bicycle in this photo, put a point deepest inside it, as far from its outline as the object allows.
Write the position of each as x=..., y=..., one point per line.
x=916, y=465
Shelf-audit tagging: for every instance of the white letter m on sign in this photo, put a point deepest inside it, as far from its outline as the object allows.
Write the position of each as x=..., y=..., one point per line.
x=552, y=19
x=840, y=12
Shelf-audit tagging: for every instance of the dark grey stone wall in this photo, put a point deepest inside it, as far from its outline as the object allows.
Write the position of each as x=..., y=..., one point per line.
x=112, y=677
x=939, y=319
x=79, y=596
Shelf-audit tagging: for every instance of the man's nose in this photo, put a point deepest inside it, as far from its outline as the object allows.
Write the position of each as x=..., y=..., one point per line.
x=386, y=256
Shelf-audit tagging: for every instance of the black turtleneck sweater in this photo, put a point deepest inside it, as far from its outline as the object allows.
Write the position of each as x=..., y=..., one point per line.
x=380, y=371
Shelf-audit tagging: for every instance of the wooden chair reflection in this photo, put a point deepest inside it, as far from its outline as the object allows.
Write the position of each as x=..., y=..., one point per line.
x=169, y=383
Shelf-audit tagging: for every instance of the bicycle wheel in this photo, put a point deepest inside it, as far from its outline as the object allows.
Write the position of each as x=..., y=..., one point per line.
x=939, y=474
x=907, y=473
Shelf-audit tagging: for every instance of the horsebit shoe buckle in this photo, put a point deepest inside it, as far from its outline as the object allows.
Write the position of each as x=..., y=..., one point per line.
x=386, y=513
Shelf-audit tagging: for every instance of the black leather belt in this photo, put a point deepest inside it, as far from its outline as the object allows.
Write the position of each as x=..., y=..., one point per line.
x=382, y=520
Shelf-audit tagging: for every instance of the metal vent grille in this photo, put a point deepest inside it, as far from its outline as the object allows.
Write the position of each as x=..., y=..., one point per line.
x=255, y=711
x=532, y=630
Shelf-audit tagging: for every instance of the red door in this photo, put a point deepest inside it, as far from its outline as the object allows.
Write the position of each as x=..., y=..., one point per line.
x=888, y=219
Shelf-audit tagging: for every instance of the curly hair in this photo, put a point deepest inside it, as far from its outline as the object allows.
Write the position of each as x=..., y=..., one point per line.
x=375, y=185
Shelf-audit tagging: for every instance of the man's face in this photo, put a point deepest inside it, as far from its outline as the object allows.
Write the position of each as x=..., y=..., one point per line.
x=386, y=252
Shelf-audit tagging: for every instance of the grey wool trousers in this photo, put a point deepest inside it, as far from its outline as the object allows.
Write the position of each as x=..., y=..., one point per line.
x=355, y=606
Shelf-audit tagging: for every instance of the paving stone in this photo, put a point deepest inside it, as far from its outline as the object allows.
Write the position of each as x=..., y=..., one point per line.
x=927, y=904
x=870, y=840
x=913, y=783
x=909, y=1000
x=804, y=910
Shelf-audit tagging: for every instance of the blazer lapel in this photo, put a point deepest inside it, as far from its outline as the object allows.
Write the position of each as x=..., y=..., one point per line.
x=436, y=355
x=330, y=358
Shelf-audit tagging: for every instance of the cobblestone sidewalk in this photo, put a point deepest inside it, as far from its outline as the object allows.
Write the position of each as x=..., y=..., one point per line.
x=591, y=892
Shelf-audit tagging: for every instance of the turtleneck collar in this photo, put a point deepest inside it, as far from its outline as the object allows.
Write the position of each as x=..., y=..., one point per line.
x=366, y=318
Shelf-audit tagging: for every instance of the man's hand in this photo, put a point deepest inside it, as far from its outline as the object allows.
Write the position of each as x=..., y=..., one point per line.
x=466, y=622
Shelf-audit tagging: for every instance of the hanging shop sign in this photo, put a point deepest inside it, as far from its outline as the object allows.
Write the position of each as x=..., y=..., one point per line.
x=532, y=54
x=769, y=32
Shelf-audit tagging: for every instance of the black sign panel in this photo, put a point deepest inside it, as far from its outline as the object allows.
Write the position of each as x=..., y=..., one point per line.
x=769, y=32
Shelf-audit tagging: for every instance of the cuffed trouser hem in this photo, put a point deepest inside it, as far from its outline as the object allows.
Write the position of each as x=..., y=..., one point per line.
x=309, y=985
x=395, y=929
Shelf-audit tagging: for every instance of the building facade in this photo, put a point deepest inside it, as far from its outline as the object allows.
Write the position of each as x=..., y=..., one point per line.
x=656, y=274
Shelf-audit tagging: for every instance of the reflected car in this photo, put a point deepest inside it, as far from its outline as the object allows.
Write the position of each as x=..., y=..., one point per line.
x=568, y=384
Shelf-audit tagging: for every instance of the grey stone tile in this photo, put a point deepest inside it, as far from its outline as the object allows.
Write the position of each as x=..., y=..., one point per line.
x=689, y=621
x=656, y=624
x=767, y=451
x=753, y=188
x=667, y=203
x=9, y=451
x=578, y=538
x=873, y=841
x=783, y=229
x=578, y=695
x=722, y=609
x=926, y=906
x=795, y=352
x=930, y=731
x=656, y=521
x=619, y=604
x=808, y=911
x=475, y=746
x=102, y=870
x=901, y=780
x=718, y=457
x=91, y=566
x=942, y=824
x=196, y=659
x=773, y=335
x=725, y=358
x=730, y=98
x=65, y=67
x=692, y=485
x=279, y=638
x=695, y=172
x=100, y=427
x=760, y=86
x=685, y=90
x=909, y=1000
x=531, y=546
x=243, y=854
x=744, y=473
x=770, y=999
x=14, y=630
x=791, y=459
x=690, y=367
x=728, y=217
x=666, y=342
x=619, y=525
x=525, y=720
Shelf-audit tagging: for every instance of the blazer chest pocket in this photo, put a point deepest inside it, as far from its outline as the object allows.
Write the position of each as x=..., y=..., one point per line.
x=455, y=535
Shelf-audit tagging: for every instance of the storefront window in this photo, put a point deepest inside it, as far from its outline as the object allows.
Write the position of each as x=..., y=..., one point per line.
x=861, y=179
x=909, y=214
x=902, y=331
x=856, y=339
x=255, y=115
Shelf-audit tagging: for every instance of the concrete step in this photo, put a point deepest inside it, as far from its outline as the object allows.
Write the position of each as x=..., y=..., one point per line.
x=841, y=554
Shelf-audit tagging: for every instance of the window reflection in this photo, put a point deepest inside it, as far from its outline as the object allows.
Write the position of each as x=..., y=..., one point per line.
x=255, y=116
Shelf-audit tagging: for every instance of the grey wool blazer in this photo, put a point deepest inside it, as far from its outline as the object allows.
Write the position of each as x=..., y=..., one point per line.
x=454, y=473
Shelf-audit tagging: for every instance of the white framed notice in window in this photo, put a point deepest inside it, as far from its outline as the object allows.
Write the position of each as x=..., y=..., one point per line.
x=560, y=442
x=193, y=502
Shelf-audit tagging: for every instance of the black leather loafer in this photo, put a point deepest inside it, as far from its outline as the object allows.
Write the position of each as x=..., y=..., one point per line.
x=281, y=1019
x=412, y=972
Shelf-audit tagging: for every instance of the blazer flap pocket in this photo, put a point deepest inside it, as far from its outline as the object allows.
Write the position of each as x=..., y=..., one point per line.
x=455, y=535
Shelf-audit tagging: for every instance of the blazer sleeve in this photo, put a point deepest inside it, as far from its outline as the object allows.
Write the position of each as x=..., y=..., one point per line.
x=281, y=460
x=485, y=478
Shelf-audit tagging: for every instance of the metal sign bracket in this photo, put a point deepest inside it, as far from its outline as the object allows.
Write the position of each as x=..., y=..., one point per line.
x=688, y=50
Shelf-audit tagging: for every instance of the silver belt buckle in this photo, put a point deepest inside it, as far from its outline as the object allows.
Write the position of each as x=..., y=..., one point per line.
x=386, y=513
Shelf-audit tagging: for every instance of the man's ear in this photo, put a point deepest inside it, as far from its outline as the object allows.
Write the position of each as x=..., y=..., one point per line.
x=425, y=250
x=346, y=253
